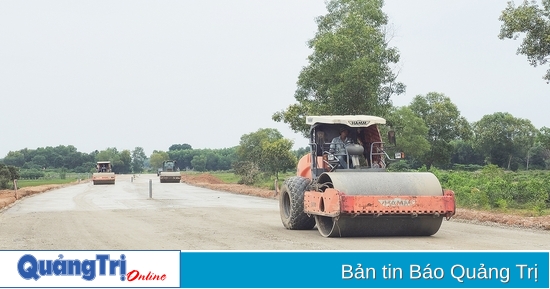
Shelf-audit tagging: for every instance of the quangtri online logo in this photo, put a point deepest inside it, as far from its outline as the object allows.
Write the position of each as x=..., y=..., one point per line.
x=29, y=267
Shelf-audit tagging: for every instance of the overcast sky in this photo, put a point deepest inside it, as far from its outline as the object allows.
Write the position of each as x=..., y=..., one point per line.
x=98, y=74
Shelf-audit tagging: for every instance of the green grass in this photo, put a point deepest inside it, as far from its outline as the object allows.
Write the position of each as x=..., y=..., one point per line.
x=522, y=212
x=268, y=183
x=226, y=177
x=40, y=182
x=263, y=182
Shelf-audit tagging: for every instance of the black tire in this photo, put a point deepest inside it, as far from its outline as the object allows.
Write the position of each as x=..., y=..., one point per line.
x=291, y=204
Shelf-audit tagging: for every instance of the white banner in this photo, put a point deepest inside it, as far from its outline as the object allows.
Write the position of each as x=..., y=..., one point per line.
x=90, y=269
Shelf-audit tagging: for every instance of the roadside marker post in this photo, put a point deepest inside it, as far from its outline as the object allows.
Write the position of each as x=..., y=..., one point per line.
x=150, y=189
x=15, y=188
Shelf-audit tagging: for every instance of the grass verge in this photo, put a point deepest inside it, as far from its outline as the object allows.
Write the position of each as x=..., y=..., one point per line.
x=40, y=182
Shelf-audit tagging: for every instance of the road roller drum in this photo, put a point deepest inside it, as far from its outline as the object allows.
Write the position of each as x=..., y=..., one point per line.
x=376, y=204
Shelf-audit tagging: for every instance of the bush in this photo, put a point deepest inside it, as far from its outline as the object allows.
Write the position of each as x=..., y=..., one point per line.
x=492, y=187
x=7, y=175
x=63, y=174
x=400, y=166
x=248, y=171
x=469, y=168
x=32, y=174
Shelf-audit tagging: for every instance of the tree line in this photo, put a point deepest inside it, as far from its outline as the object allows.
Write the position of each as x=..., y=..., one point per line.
x=431, y=131
x=266, y=151
x=123, y=161
x=71, y=160
x=262, y=153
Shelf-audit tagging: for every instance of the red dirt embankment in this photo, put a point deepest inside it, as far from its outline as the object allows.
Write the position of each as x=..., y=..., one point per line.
x=486, y=217
x=209, y=181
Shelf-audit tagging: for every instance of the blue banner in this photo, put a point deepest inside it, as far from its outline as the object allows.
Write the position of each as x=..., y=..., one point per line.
x=364, y=269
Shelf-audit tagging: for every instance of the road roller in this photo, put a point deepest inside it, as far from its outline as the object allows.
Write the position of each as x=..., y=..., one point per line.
x=104, y=174
x=170, y=172
x=342, y=186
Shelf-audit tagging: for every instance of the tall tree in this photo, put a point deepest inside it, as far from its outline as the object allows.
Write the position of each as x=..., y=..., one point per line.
x=183, y=157
x=501, y=137
x=277, y=156
x=138, y=159
x=7, y=175
x=544, y=137
x=39, y=160
x=350, y=69
x=157, y=158
x=534, y=21
x=538, y=157
x=199, y=163
x=227, y=157
x=108, y=154
x=250, y=146
x=541, y=148
x=265, y=150
x=300, y=152
x=125, y=165
x=465, y=153
x=112, y=155
x=176, y=147
x=410, y=133
x=14, y=158
x=444, y=125
x=212, y=159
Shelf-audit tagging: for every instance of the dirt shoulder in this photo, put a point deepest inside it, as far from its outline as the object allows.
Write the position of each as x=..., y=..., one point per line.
x=8, y=197
x=465, y=215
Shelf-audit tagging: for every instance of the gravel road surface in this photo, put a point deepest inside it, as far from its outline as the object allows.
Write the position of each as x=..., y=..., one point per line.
x=183, y=217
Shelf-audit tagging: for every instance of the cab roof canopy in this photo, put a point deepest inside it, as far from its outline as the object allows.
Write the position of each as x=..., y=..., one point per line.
x=104, y=162
x=349, y=120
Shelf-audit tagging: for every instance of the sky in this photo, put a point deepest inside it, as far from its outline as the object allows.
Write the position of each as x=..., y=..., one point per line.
x=126, y=74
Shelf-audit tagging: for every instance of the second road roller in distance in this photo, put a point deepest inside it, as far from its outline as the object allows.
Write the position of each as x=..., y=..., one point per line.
x=104, y=174
x=170, y=172
x=343, y=188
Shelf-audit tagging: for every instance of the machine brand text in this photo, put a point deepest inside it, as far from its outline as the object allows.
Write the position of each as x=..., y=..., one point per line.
x=358, y=122
x=396, y=202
